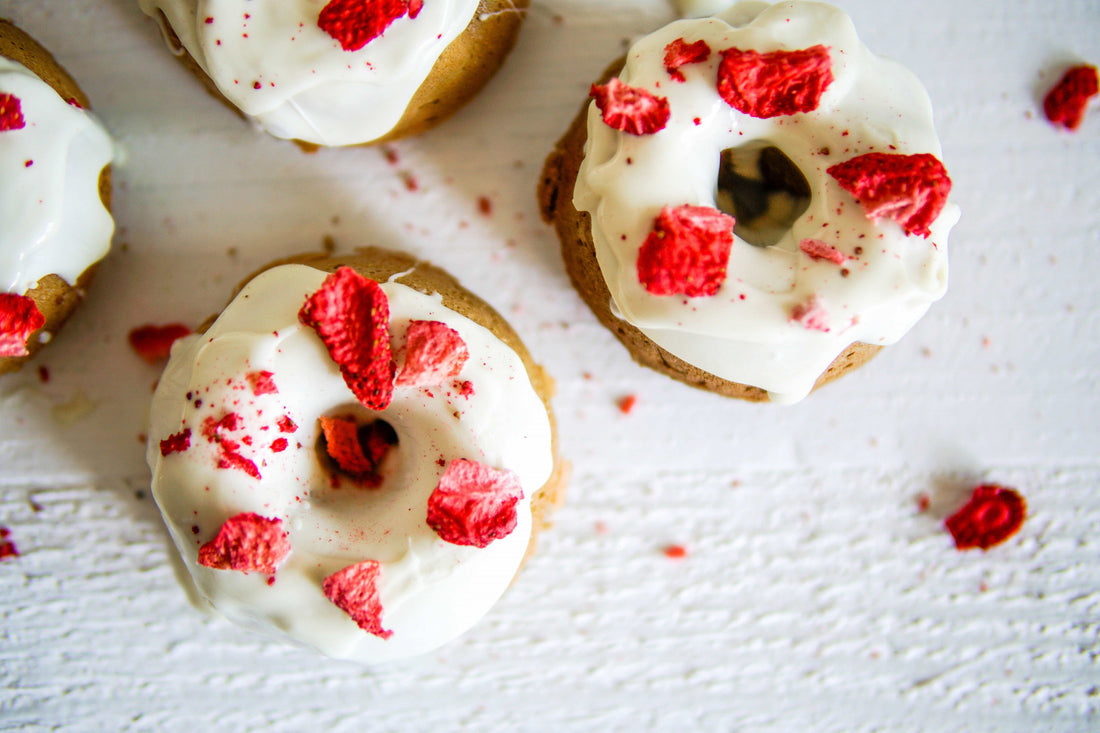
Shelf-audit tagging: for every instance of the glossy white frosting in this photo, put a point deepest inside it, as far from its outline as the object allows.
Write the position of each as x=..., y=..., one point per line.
x=430, y=590
x=53, y=219
x=745, y=333
x=274, y=63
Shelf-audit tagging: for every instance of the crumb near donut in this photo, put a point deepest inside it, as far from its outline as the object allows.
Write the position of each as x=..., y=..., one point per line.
x=1065, y=103
x=991, y=515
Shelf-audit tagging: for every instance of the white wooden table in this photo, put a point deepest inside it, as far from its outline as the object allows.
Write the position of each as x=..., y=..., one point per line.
x=815, y=594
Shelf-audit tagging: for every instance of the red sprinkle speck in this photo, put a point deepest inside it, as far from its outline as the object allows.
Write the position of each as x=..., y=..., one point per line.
x=675, y=552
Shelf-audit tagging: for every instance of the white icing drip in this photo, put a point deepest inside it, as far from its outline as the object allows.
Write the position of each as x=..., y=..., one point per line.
x=752, y=339
x=53, y=219
x=309, y=88
x=430, y=591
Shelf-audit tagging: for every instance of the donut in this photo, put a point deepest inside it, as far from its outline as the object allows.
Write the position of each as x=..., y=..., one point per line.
x=355, y=456
x=55, y=196
x=342, y=72
x=753, y=202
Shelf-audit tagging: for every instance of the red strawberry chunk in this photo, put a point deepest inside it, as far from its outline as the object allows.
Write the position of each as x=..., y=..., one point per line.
x=262, y=382
x=154, y=343
x=474, y=504
x=910, y=189
x=19, y=318
x=434, y=353
x=247, y=542
x=355, y=23
x=687, y=252
x=1065, y=103
x=351, y=316
x=631, y=109
x=354, y=590
x=11, y=113
x=819, y=250
x=681, y=53
x=992, y=515
x=811, y=314
x=357, y=451
x=176, y=443
x=772, y=84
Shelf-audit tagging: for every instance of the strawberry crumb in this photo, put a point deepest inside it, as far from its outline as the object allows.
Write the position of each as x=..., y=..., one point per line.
x=355, y=23
x=474, y=504
x=153, y=343
x=1064, y=105
x=627, y=403
x=675, y=552
x=262, y=383
x=11, y=113
x=811, y=314
x=176, y=443
x=687, y=251
x=351, y=316
x=7, y=546
x=910, y=189
x=992, y=515
x=681, y=53
x=766, y=85
x=434, y=353
x=630, y=109
x=820, y=250
x=19, y=318
x=354, y=590
x=485, y=205
x=358, y=451
x=247, y=542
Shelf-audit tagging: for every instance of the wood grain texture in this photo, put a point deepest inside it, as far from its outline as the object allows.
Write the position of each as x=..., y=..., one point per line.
x=814, y=594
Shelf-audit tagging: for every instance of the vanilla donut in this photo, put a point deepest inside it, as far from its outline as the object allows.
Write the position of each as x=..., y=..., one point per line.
x=371, y=506
x=779, y=118
x=55, y=195
x=341, y=72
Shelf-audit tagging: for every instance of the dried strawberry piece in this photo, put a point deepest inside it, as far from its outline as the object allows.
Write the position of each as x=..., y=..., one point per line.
x=153, y=343
x=19, y=318
x=355, y=23
x=820, y=250
x=1065, y=103
x=230, y=458
x=358, y=451
x=768, y=85
x=631, y=109
x=354, y=590
x=992, y=515
x=351, y=316
x=434, y=353
x=910, y=189
x=681, y=53
x=11, y=113
x=262, y=382
x=247, y=542
x=286, y=425
x=687, y=252
x=811, y=314
x=7, y=546
x=176, y=442
x=474, y=504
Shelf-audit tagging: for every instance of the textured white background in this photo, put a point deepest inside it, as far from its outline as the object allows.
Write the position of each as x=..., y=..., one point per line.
x=815, y=595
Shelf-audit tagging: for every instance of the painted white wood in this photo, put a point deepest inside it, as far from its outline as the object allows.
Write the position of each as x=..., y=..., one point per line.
x=815, y=595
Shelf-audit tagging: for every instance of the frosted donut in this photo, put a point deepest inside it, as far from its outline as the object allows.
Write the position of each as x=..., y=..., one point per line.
x=280, y=530
x=342, y=72
x=55, y=196
x=778, y=117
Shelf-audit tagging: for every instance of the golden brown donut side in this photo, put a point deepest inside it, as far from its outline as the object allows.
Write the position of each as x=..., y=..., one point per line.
x=574, y=230
x=54, y=297
x=461, y=71
x=380, y=265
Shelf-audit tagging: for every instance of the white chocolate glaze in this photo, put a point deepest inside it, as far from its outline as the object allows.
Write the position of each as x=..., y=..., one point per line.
x=430, y=590
x=53, y=219
x=273, y=62
x=745, y=333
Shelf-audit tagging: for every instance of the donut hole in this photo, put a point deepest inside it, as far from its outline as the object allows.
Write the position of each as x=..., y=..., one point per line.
x=355, y=448
x=763, y=190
